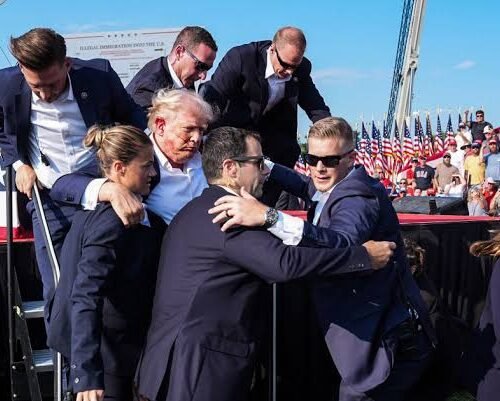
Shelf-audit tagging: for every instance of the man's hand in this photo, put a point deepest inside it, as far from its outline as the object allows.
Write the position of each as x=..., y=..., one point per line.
x=90, y=395
x=380, y=252
x=25, y=179
x=238, y=211
x=127, y=205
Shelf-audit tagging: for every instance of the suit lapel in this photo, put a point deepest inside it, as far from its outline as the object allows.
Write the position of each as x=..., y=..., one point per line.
x=23, y=118
x=83, y=96
x=261, y=79
x=311, y=211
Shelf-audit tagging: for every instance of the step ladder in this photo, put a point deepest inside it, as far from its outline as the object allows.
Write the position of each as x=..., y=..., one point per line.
x=32, y=362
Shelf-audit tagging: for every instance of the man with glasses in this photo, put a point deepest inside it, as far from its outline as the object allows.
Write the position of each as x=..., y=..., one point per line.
x=192, y=55
x=259, y=86
x=444, y=173
x=376, y=326
x=209, y=314
x=477, y=127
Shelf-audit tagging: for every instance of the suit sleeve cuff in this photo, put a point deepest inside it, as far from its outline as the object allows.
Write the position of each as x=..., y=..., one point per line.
x=288, y=229
x=91, y=194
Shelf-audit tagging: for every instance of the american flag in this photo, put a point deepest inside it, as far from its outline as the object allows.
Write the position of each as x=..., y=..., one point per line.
x=408, y=150
x=396, y=145
x=449, y=132
x=428, y=136
x=300, y=166
x=417, y=137
x=387, y=150
x=375, y=141
x=365, y=145
x=377, y=155
x=438, y=140
x=397, y=151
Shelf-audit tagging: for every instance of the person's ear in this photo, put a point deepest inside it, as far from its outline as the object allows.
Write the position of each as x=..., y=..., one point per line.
x=119, y=168
x=160, y=124
x=230, y=168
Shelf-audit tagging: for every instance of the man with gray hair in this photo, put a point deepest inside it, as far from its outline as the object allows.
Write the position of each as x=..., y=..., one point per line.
x=259, y=85
x=192, y=55
x=177, y=120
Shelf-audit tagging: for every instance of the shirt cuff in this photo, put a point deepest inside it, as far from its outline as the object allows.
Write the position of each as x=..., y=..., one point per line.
x=91, y=194
x=17, y=164
x=288, y=228
x=269, y=164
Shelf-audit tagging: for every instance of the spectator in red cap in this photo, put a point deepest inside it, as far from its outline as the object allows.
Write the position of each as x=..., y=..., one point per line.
x=457, y=156
x=492, y=160
x=410, y=173
x=489, y=191
x=444, y=173
x=474, y=165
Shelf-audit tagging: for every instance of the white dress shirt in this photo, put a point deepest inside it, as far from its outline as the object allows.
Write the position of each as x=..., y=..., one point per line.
x=276, y=84
x=57, y=131
x=177, y=82
x=176, y=187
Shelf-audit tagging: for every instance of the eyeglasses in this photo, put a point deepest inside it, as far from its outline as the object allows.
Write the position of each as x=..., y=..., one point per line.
x=479, y=115
x=284, y=64
x=446, y=157
x=328, y=161
x=258, y=160
x=199, y=65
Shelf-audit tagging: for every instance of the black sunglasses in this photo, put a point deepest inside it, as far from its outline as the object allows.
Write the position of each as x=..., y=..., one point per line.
x=328, y=161
x=199, y=65
x=259, y=160
x=284, y=64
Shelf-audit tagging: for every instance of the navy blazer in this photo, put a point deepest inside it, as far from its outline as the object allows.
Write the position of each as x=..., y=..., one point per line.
x=101, y=98
x=240, y=91
x=153, y=76
x=209, y=310
x=99, y=314
x=357, y=311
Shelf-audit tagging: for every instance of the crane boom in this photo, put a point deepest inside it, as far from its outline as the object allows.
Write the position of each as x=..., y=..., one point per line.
x=406, y=62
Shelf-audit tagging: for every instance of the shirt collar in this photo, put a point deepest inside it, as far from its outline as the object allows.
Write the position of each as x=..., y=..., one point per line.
x=270, y=70
x=322, y=195
x=177, y=82
x=230, y=190
x=66, y=95
x=193, y=163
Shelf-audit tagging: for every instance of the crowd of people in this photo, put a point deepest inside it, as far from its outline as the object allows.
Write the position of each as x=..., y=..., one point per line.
x=468, y=169
x=167, y=239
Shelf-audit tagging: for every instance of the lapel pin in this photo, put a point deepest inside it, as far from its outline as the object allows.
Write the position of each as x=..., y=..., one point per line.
x=295, y=79
x=84, y=95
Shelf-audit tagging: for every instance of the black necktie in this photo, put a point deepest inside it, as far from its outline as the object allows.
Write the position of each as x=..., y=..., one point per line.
x=311, y=211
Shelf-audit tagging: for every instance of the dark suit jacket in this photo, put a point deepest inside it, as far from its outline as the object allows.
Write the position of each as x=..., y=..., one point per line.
x=240, y=91
x=100, y=96
x=101, y=308
x=357, y=311
x=208, y=311
x=152, y=77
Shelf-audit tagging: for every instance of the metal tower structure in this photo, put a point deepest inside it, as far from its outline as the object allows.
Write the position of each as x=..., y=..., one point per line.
x=406, y=63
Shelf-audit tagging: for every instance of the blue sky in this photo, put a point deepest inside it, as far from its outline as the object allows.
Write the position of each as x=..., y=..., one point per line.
x=352, y=44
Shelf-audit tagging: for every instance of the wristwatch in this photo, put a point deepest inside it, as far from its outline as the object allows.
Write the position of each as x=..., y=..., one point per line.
x=271, y=217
